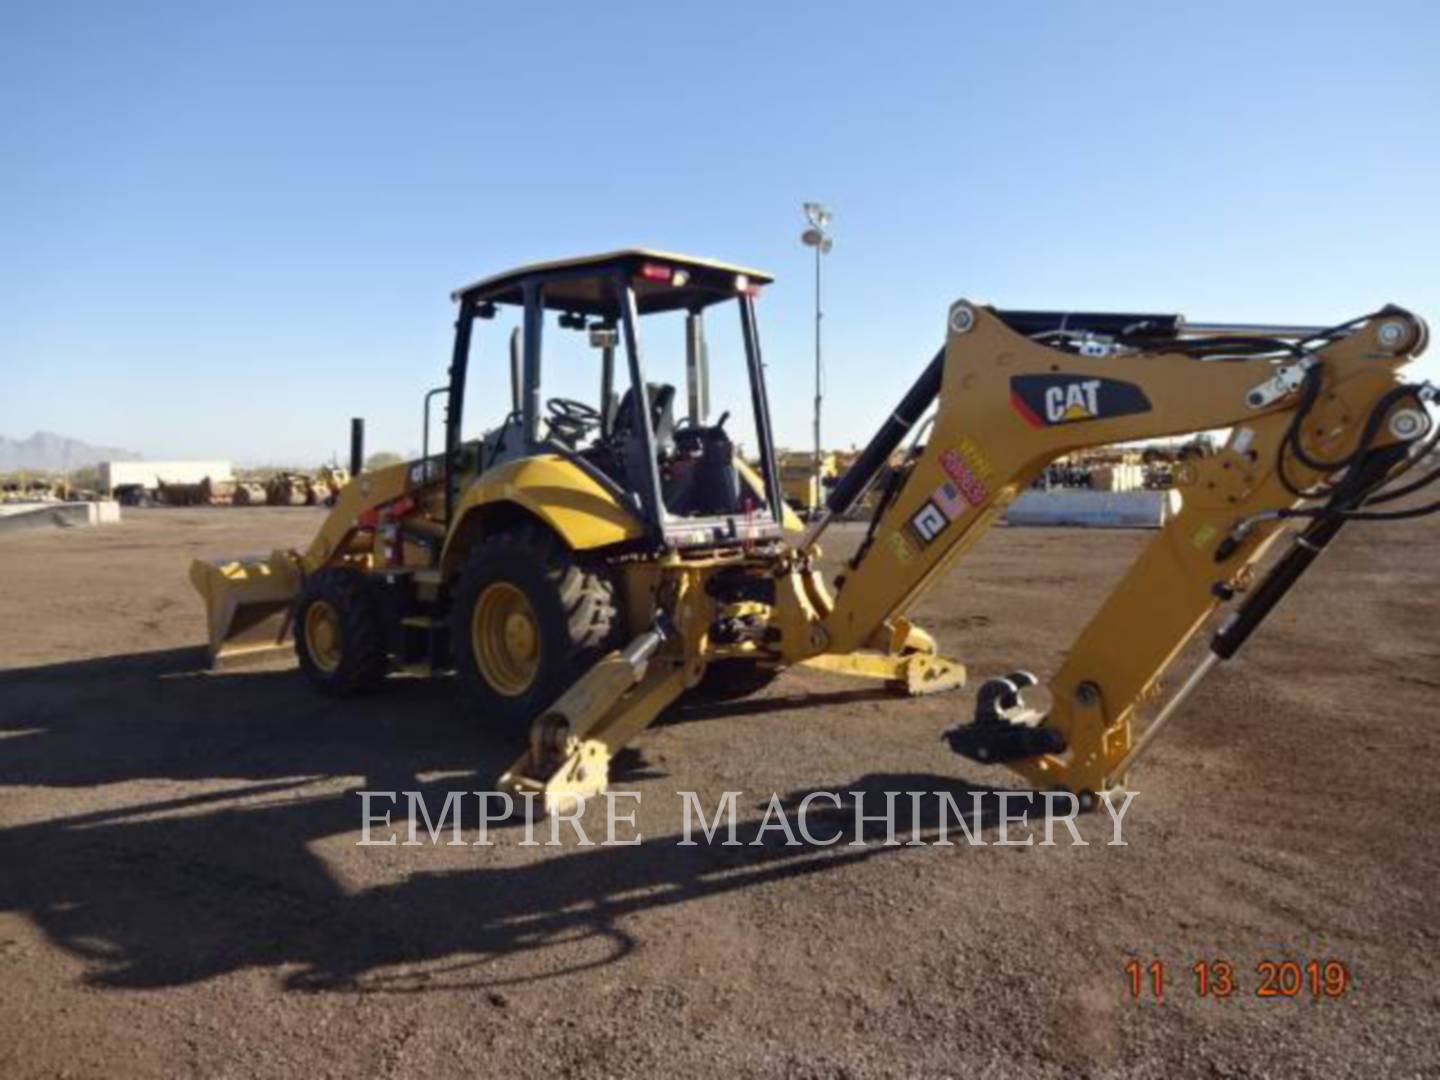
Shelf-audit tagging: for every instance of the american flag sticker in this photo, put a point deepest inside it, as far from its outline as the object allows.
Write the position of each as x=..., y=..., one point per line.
x=947, y=496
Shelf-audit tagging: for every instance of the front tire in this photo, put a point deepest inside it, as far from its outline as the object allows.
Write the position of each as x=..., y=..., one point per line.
x=526, y=622
x=339, y=636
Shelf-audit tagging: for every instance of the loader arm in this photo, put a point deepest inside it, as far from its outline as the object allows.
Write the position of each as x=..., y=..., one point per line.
x=1008, y=405
x=248, y=600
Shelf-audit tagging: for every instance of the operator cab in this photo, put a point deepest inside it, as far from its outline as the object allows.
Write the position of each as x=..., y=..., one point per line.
x=586, y=386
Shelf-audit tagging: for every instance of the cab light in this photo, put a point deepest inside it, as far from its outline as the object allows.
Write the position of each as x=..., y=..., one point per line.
x=744, y=285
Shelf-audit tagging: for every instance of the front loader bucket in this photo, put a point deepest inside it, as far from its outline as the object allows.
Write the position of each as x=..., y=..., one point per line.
x=247, y=603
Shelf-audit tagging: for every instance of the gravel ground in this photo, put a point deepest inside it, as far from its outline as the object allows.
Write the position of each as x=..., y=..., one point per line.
x=182, y=894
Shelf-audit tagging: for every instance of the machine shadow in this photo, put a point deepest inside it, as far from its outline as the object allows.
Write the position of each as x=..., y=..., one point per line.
x=171, y=891
x=162, y=715
x=686, y=711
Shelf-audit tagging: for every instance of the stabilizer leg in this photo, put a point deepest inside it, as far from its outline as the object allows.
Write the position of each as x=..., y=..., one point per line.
x=916, y=673
x=902, y=655
x=571, y=745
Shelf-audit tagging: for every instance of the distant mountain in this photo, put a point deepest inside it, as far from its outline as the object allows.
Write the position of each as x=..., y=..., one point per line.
x=48, y=452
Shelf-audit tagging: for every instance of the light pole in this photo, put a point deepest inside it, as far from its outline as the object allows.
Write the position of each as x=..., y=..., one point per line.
x=818, y=237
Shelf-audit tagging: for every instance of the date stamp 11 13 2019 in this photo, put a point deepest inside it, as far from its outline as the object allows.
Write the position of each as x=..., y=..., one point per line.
x=1276, y=980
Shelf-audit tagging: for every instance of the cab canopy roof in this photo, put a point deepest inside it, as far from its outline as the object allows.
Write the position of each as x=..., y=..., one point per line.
x=662, y=280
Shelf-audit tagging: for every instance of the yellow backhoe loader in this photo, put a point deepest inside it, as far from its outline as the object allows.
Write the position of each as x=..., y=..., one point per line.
x=585, y=562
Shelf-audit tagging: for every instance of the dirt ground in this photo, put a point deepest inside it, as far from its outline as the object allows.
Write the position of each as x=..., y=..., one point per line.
x=182, y=894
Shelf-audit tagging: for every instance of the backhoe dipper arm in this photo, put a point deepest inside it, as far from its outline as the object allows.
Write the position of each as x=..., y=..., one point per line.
x=1009, y=405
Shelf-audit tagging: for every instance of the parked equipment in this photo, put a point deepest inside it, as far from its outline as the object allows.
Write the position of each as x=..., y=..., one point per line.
x=289, y=489
x=585, y=562
x=206, y=492
x=805, y=487
x=249, y=493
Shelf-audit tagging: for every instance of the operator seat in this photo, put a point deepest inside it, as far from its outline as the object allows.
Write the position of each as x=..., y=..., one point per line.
x=704, y=482
x=662, y=416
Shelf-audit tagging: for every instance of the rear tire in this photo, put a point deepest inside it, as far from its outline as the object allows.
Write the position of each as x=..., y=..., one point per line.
x=731, y=680
x=527, y=621
x=339, y=635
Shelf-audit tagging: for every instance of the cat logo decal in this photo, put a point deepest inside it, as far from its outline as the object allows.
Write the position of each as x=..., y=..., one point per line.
x=1048, y=400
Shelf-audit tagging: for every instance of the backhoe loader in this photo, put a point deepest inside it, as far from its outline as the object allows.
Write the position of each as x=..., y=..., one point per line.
x=584, y=563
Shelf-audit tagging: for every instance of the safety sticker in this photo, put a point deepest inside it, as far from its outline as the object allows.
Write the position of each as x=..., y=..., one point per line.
x=963, y=477
x=978, y=462
x=901, y=547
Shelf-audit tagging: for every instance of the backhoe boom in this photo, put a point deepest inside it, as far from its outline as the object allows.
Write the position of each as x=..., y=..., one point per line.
x=1009, y=405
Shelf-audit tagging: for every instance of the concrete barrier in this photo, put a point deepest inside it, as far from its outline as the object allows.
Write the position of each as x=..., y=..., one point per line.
x=23, y=517
x=1100, y=509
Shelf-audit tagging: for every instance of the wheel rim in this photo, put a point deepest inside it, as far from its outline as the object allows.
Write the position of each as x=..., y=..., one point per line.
x=505, y=638
x=322, y=636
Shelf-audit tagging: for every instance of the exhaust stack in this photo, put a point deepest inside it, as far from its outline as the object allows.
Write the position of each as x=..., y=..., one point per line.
x=357, y=445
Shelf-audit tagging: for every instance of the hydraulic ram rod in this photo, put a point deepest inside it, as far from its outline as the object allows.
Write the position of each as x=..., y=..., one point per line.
x=1236, y=630
x=1250, y=330
x=1171, y=708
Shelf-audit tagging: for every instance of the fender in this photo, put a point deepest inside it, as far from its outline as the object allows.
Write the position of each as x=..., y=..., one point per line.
x=582, y=511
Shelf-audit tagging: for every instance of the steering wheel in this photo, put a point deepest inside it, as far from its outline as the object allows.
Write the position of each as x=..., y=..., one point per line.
x=571, y=419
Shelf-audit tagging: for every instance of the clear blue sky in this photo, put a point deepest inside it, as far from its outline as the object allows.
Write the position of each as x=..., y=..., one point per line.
x=224, y=229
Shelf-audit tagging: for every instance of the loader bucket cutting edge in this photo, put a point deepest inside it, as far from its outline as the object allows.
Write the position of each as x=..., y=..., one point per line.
x=247, y=604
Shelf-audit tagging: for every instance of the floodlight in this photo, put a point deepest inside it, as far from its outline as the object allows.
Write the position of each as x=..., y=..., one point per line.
x=817, y=214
